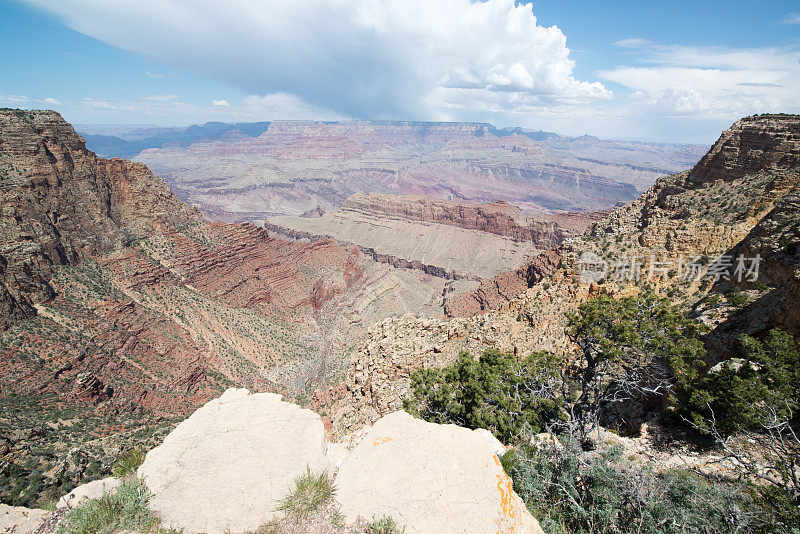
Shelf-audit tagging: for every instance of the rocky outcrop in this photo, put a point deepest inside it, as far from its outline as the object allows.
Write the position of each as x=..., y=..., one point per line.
x=430, y=478
x=92, y=490
x=379, y=376
x=226, y=467
x=60, y=204
x=20, y=520
x=752, y=144
x=498, y=217
x=502, y=288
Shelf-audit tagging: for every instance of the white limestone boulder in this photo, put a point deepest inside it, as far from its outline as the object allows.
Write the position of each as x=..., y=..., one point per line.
x=430, y=479
x=226, y=467
x=19, y=520
x=91, y=490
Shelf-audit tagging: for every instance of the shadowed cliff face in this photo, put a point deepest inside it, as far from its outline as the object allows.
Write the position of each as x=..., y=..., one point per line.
x=60, y=204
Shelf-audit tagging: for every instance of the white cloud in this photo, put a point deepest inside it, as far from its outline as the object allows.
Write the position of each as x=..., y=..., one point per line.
x=14, y=99
x=52, y=101
x=360, y=58
x=283, y=106
x=161, y=98
x=221, y=103
x=791, y=18
x=154, y=75
x=713, y=82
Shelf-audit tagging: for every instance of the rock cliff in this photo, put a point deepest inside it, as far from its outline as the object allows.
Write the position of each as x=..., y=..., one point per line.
x=60, y=204
x=241, y=453
x=498, y=217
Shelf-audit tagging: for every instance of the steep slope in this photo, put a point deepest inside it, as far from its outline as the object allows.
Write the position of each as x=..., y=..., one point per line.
x=683, y=237
x=62, y=204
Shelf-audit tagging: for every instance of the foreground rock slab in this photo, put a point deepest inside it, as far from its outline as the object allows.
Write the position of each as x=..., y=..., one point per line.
x=431, y=479
x=92, y=490
x=19, y=520
x=226, y=467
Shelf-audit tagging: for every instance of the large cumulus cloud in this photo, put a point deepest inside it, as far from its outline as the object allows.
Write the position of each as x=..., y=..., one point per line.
x=359, y=58
x=698, y=82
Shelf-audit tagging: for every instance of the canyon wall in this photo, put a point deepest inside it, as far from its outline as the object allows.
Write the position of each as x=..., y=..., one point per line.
x=61, y=204
x=293, y=167
x=498, y=218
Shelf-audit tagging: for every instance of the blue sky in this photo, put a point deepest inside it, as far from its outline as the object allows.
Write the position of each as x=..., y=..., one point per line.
x=675, y=71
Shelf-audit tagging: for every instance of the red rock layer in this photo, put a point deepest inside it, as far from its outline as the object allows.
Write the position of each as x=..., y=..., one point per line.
x=503, y=288
x=59, y=204
x=751, y=144
x=498, y=217
x=243, y=267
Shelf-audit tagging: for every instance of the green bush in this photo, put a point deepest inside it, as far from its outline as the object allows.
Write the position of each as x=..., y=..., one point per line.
x=571, y=491
x=127, y=463
x=737, y=299
x=735, y=396
x=311, y=492
x=384, y=525
x=123, y=511
x=498, y=392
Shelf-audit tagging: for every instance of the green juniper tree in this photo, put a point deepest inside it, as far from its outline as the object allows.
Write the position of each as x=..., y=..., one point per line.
x=630, y=348
x=498, y=392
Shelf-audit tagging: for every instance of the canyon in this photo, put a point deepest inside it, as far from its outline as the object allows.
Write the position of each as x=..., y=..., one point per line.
x=489, y=253
x=123, y=309
x=740, y=200
x=251, y=172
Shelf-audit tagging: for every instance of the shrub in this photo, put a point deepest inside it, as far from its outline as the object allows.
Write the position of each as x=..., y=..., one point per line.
x=127, y=463
x=311, y=491
x=760, y=286
x=751, y=411
x=498, y=392
x=736, y=396
x=384, y=525
x=737, y=299
x=571, y=491
x=125, y=510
